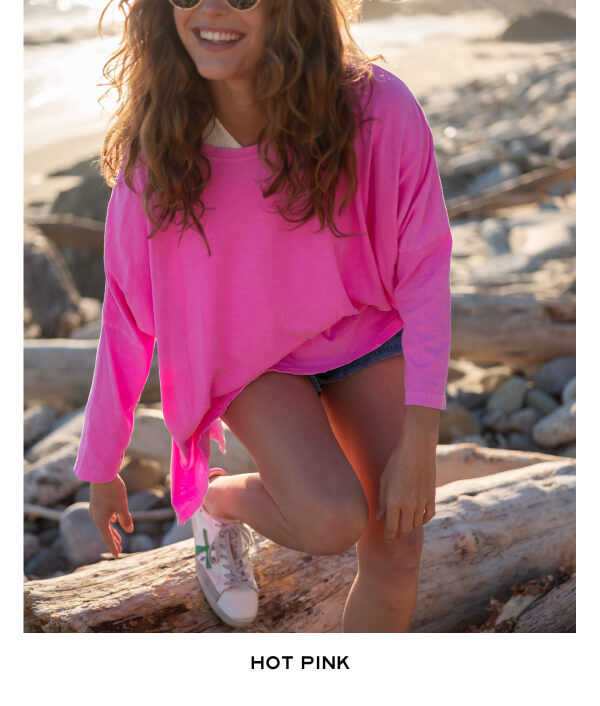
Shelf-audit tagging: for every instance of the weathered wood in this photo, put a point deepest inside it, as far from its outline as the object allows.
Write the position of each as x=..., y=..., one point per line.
x=518, y=331
x=60, y=370
x=553, y=612
x=70, y=230
x=468, y=460
x=487, y=534
x=528, y=187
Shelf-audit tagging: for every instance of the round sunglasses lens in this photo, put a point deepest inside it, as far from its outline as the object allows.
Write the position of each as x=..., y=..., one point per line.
x=235, y=4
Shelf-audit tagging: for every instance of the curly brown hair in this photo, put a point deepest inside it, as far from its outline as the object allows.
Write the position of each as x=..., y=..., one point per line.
x=304, y=82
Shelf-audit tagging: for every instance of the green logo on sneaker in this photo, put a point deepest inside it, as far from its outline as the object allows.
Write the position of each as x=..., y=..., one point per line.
x=205, y=548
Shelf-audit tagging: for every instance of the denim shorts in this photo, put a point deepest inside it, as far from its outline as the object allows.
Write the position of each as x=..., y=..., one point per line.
x=393, y=346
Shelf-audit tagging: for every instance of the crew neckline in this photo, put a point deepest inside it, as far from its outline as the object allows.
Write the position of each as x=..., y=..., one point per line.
x=229, y=152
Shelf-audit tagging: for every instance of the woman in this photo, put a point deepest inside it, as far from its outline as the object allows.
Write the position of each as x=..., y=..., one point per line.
x=324, y=349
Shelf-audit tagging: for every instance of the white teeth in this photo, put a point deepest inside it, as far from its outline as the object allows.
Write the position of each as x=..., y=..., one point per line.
x=219, y=36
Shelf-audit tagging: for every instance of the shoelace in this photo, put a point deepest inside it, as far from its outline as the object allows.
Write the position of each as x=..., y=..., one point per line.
x=233, y=540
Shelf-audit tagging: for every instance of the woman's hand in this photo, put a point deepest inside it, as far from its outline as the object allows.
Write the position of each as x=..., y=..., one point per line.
x=107, y=502
x=407, y=484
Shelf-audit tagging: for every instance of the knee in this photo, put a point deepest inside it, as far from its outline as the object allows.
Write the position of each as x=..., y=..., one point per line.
x=337, y=528
x=391, y=562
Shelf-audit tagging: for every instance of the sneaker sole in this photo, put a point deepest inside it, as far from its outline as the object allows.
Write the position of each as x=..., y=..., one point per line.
x=207, y=589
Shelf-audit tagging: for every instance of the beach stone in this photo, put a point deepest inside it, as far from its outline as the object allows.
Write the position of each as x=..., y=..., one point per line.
x=51, y=480
x=145, y=499
x=48, y=287
x=493, y=176
x=45, y=563
x=48, y=536
x=37, y=422
x=498, y=269
x=563, y=146
x=546, y=239
x=520, y=442
x=543, y=25
x=557, y=428
x=177, y=533
x=551, y=377
x=471, y=439
x=495, y=233
x=31, y=546
x=569, y=451
x=471, y=400
x=152, y=529
x=82, y=495
x=523, y=420
x=568, y=393
x=79, y=535
x=457, y=421
x=65, y=429
x=89, y=199
x=517, y=151
x=141, y=543
x=541, y=401
x=505, y=130
x=497, y=420
x=138, y=474
x=509, y=396
x=473, y=162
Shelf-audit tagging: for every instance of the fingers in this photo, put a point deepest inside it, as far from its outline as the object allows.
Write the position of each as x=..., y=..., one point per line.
x=111, y=538
x=124, y=517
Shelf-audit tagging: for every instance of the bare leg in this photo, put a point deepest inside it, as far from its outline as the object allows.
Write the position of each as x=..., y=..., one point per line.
x=306, y=495
x=366, y=411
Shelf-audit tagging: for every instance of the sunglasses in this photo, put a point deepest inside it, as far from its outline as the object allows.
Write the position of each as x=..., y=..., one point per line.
x=239, y=5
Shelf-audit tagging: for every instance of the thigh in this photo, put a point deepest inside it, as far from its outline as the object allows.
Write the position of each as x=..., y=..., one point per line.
x=366, y=412
x=280, y=420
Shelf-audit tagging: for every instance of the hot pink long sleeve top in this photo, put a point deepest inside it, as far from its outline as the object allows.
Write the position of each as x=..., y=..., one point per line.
x=270, y=298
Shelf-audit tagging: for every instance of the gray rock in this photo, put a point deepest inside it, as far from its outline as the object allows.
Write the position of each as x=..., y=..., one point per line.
x=540, y=91
x=66, y=429
x=495, y=233
x=497, y=270
x=37, y=422
x=140, y=474
x=568, y=393
x=177, y=533
x=520, y=442
x=505, y=131
x=551, y=377
x=51, y=480
x=82, y=495
x=497, y=420
x=49, y=290
x=517, y=150
x=569, y=451
x=152, y=529
x=493, y=176
x=523, y=420
x=563, y=146
x=79, y=535
x=471, y=439
x=557, y=428
x=472, y=162
x=541, y=401
x=509, y=396
x=141, y=543
x=48, y=536
x=31, y=546
x=44, y=564
x=146, y=499
x=545, y=239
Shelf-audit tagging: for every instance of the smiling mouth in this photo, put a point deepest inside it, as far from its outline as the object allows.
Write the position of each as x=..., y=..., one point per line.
x=218, y=42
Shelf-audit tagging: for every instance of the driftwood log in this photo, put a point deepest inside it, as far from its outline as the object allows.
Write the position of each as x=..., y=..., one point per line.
x=520, y=331
x=525, y=188
x=60, y=370
x=552, y=612
x=487, y=534
x=70, y=230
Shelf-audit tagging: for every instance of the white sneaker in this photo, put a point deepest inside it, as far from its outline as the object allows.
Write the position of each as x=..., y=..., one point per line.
x=224, y=569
